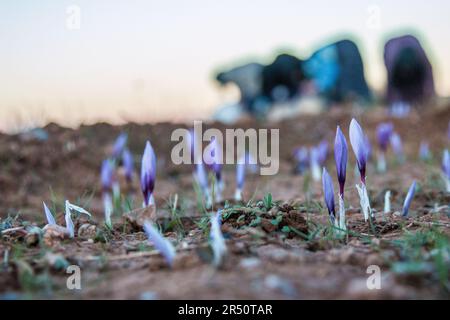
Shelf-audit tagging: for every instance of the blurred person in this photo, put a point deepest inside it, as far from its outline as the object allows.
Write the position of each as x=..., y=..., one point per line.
x=409, y=73
x=337, y=73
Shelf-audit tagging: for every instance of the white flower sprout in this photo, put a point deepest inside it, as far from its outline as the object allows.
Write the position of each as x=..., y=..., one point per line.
x=217, y=241
x=164, y=246
x=387, y=201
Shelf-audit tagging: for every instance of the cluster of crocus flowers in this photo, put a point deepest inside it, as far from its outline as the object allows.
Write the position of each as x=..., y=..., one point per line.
x=69, y=230
x=384, y=132
x=446, y=169
x=358, y=142
x=107, y=180
x=163, y=245
x=148, y=174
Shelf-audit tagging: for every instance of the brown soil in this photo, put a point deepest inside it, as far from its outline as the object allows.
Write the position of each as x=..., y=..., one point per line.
x=265, y=260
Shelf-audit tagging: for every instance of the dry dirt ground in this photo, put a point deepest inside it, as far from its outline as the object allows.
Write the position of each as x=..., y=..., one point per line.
x=279, y=249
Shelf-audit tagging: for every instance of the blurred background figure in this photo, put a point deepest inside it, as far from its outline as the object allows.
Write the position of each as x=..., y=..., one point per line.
x=337, y=73
x=409, y=73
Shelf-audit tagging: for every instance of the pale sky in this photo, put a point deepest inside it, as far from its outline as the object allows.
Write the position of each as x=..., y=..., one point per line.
x=155, y=60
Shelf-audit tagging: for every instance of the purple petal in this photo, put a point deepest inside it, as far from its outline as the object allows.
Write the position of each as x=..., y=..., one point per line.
x=240, y=172
x=302, y=158
x=357, y=140
x=340, y=156
x=106, y=175
x=328, y=192
x=213, y=159
x=148, y=172
x=161, y=244
x=446, y=163
x=50, y=219
x=322, y=150
x=128, y=164
x=119, y=145
x=384, y=132
x=408, y=199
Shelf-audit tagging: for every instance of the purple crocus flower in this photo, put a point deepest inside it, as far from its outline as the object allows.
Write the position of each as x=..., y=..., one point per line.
x=328, y=191
x=119, y=145
x=107, y=175
x=213, y=159
x=446, y=164
x=128, y=164
x=358, y=142
x=201, y=176
x=163, y=245
x=408, y=199
x=322, y=152
x=340, y=156
x=302, y=159
x=424, y=151
x=240, y=172
x=148, y=173
x=397, y=146
x=384, y=132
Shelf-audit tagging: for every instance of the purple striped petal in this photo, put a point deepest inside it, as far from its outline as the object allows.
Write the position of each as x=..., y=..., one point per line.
x=358, y=142
x=328, y=192
x=408, y=199
x=340, y=156
x=148, y=172
x=163, y=245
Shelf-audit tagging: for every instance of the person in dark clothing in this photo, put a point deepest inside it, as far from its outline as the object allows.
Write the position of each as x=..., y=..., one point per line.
x=409, y=72
x=282, y=78
x=337, y=73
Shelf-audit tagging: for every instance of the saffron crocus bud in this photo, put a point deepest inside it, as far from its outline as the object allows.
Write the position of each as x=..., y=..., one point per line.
x=322, y=152
x=217, y=240
x=446, y=169
x=163, y=245
x=302, y=159
x=128, y=165
x=119, y=145
x=148, y=174
x=340, y=156
x=328, y=191
x=424, y=151
x=397, y=146
x=384, y=132
x=358, y=141
x=50, y=219
x=408, y=199
x=107, y=175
